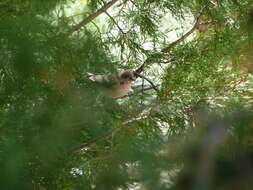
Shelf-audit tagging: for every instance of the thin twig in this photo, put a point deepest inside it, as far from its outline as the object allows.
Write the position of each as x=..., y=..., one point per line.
x=94, y=140
x=140, y=91
x=134, y=3
x=107, y=134
x=152, y=84
x=92, y=16
x=114, y=21
x=183, y=37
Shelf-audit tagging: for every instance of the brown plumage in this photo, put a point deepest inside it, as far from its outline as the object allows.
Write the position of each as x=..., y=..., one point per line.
x=116, y=86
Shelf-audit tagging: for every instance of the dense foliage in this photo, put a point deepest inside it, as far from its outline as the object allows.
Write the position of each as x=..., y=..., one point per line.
x=58, y=131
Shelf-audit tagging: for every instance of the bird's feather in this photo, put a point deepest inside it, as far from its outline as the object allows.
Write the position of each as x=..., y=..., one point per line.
x=104, y=80
x=117, y=85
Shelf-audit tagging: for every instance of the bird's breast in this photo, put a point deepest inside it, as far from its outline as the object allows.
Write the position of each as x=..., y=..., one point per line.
x=120, y=90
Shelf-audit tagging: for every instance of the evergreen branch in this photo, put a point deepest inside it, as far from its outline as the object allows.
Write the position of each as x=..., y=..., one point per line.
x=143, y=115
x=184, y=36
x=83, y=147
x=92, y=16
x=114, y=21
x=137, y=73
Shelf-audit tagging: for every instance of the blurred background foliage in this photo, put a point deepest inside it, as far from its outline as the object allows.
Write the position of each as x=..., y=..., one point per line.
x=58, y=131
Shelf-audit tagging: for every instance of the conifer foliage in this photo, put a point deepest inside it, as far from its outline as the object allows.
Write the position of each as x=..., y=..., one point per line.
x=187, y=125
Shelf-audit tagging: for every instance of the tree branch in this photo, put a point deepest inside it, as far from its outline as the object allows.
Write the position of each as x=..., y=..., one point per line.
x=152, y=84
x=92, y=16
x=83, y=147
x=140, y=91
x=183, y=37
x=114, y=21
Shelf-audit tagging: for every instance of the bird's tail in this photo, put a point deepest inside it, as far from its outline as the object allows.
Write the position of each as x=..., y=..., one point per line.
x=91, y=76
x=98, y=78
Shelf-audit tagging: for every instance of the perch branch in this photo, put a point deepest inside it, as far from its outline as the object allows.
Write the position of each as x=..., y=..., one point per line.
x=145, y=78
x=140, y=91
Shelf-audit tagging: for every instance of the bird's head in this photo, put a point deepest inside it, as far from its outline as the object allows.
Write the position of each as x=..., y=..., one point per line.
x=127, y=77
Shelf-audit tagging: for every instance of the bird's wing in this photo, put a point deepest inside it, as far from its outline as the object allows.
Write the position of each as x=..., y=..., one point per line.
x=105, y=80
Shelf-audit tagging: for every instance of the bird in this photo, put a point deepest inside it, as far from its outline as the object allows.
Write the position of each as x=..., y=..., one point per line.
x=115, y=85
